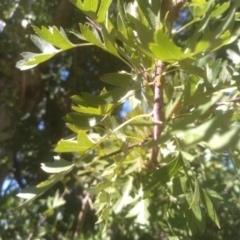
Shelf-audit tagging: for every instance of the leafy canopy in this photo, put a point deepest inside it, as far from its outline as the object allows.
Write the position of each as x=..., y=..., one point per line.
x=199, y=108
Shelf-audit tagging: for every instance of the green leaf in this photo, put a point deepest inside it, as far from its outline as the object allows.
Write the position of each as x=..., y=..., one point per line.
x=123, y=200
x=187, y=66
x=110, y=41
x=151, y=12
x=103, y=197
x=173, y=238
x=161, y=176
x=195, y=220
x=164, y=48
x=46, y=42
x=201, y=26
x=144, y=33
x=105, y=183
x=197, y=2
x=228, y=139
x=82, y=144
x=180, y=186
x=140, y=210
x=104, y=215
x=196, y=195
x=67, y=146
x=32, y=59
x=118, y=95
x=201, y=7
x=203, y=131
x=88, y=110
x=43, y=45
x=88, y=100
x=100, y=110
x=219, y=9
x=226, y=24
x=91, y=35
x=102, y=12
x=207, y=202
x=83, y=121
x=121, y=24
x=57, y=166
x=172, y=106
x=118, y=79
x=54, y=36
x=33, y=192
x=84, y=141
x=90, y=6
x=55, y=202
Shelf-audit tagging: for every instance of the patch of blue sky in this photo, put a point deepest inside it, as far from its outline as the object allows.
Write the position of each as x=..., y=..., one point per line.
x=64, y=74
x=126, y=108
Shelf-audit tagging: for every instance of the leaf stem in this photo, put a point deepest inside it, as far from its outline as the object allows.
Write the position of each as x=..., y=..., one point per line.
x=113, y=132
x=185, y=26
x=129, y=147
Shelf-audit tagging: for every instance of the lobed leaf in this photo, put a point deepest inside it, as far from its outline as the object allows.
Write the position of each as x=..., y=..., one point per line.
x=54, y=36
x=164, y=49
x=102, y=12
x=82, y=144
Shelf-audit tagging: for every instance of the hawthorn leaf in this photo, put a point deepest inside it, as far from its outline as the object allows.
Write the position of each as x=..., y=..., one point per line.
x=57, y=166
x=122, y=201
x=161, y=176
x=140, y=211
x=117, y=79
x=54, y=36
x=219, y=9
x=165, y=49
x=83, y=121
x=67, y=146
x=91, y=35
x=102, y=12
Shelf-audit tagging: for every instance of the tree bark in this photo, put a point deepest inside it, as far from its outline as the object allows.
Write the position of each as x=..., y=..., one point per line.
x=27, y=86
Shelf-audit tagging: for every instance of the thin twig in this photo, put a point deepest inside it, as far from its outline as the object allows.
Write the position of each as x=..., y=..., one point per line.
x=234, y=100
x=98, y=27
x=131, y=146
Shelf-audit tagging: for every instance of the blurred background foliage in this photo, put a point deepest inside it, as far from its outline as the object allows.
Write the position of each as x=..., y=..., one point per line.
x=31, y=106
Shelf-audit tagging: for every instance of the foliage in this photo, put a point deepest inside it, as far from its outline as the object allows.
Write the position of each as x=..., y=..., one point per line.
x=193, y=123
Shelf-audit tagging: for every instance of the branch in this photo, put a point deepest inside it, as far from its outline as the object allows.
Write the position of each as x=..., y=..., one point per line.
x=158, y=115
x=86, y=206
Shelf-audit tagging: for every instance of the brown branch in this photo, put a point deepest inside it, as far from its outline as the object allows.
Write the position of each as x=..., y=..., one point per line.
x=86, y=206
x=158, y=115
